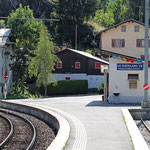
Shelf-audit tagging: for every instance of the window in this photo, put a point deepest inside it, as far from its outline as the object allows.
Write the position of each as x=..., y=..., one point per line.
x=59, y=65
x=123, y=28
x=2, y=53
x=77, y=65
x=118, y=42
x=2, y=89
x=2, y=71
x=133, y=80
x=97, y=65
x=140, y=42
x=136, y=28
x=133, y=84
x=133, y=76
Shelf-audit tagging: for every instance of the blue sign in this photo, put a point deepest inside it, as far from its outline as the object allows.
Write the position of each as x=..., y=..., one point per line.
x=130, y=67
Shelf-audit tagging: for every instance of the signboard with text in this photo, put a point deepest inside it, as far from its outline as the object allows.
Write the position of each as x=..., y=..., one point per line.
x=131, y=67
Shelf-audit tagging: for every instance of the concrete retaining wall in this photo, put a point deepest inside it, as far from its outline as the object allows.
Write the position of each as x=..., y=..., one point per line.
x=57, y=121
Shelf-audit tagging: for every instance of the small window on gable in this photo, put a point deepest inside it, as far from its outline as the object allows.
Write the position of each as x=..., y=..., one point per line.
x=123, y=28
x=97, y=65
x=77, y=65
x=59, y=65
x=136, y=28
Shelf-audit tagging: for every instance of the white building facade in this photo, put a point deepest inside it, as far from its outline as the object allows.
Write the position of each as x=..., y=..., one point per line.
x=5, y=51
x=124, y=45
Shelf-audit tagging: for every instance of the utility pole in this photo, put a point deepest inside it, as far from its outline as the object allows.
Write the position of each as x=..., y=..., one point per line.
x=76, y=36
x=140, y=17
x=146, y=103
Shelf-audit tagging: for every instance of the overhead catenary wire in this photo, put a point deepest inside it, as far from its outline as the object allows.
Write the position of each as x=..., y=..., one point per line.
x=34, y=19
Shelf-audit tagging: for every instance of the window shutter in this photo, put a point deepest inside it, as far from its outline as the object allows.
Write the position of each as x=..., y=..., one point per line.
x=100, y=44
x=137, y=42
x=113, y=43
x=123, y=42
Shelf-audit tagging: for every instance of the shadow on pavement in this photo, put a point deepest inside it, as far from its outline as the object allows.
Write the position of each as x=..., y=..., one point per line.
x=107, y=104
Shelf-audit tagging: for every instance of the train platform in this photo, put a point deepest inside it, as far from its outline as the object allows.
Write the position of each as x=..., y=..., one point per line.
x=95, y=125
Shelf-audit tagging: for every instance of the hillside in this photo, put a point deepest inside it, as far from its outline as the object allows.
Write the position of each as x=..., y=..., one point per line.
x=41, y=8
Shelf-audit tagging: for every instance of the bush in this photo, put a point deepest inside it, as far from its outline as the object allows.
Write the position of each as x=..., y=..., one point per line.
x=101, y=87
x=67, y=87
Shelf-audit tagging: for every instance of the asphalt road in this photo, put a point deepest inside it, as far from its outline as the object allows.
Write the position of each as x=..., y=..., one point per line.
x=94, y=125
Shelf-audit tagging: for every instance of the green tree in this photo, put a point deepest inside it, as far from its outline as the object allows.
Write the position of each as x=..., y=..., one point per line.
x=102, y=4
x=104, y=19
x=42, y=65
x=116, y=12
x=70, y=14
x=137, y=8
x=25, y=34
x=2, y=23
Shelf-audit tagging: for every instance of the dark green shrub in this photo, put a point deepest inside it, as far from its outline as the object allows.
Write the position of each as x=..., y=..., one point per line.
x=101, y=87
x=67, y=87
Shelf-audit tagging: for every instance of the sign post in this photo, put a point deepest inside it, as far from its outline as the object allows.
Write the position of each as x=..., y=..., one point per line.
x=5, y=88
x=146, y=87
x=146, y=103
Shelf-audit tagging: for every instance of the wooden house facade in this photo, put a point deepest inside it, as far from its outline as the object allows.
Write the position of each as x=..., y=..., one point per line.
x=78, y=65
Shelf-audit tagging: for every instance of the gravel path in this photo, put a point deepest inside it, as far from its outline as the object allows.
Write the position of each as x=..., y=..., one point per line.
x=144, y=131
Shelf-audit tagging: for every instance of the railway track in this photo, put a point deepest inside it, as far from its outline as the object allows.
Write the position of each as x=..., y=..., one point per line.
x=145, y=125
x=10, y=133
x=22, y=133
x=144, y=128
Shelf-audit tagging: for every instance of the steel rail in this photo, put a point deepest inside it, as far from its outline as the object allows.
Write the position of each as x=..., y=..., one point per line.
x=148, y=129
x=34, y=135
x=11, y=126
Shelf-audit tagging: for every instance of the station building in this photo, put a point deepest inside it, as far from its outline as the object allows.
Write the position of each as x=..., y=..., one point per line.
x=123, y=44
x=5, y=51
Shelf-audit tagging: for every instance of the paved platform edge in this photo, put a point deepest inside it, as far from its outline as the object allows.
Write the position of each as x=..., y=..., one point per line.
x=64, y=127
x=137, y=138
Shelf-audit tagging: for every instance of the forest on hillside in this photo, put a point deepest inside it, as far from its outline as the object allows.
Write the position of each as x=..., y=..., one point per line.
x=89, y=16
x=36, y=41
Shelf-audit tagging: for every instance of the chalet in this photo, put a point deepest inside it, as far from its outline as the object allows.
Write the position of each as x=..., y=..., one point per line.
x=123, y=44
x=79, y=65
x=4, y=60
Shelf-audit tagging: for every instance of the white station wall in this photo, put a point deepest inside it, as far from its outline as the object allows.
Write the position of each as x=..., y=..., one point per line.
x=93, y=80
x=118, y=82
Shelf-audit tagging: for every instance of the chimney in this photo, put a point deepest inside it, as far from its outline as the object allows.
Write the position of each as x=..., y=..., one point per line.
x=64, y=46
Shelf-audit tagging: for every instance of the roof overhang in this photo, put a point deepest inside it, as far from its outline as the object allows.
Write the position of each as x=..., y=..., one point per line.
x=111, y=54
x=129, y=20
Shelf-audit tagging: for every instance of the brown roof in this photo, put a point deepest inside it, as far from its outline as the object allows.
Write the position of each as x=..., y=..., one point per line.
x=129, y=20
